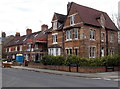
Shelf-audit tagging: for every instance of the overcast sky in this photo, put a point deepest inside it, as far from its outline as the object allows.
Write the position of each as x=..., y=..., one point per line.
x=17, y=15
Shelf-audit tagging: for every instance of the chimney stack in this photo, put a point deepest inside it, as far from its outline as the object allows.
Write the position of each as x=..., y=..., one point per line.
x=17, y=34
x=3, y=34
x=28, y=31
x=44, y=27
x=68, y=6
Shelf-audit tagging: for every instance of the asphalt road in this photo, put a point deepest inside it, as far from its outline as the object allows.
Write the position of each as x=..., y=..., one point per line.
x=23, y=78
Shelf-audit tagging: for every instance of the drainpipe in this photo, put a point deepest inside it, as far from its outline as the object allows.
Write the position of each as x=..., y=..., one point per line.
x=106, y=42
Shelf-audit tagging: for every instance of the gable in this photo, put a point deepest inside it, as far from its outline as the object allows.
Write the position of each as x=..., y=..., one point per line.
x=72, y=11
x=89, y=16
x=54, y=17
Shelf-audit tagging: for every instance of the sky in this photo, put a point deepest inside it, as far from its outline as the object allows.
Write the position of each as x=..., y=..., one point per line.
x=18, y=15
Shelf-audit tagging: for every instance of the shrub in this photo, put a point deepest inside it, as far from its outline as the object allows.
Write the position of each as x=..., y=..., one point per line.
x=81, y=61
x=72, y=59
x=111, y=60
x=53, y=60
x=46, y=60
x=59, y=60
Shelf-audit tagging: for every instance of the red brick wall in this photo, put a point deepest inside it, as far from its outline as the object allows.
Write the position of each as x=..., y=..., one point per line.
x=73, y=69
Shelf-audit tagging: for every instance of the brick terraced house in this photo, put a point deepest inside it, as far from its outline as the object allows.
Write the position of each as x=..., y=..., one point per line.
x=84, y=31
x=32, y=45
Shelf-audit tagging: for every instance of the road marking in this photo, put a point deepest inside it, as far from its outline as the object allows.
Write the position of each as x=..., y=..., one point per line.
x=106, y=79
x=96, y=78
x=116, y=80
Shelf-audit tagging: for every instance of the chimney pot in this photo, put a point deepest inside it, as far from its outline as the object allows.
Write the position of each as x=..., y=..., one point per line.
x=3, y=34
x=17, y=34
x=28, y=31
x=44, y=27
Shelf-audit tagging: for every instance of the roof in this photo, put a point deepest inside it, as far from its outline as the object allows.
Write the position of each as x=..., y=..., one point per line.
x=39, y=36
x=55, y=46
x=90, y=16
x=60, y=17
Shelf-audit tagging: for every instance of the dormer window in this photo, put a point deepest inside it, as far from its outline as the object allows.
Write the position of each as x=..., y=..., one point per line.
x=72, y=20
x=36, y=35
x=17, y=41
x=25, y=39
x=102, y=21
x=55, y=25
x=119, y=37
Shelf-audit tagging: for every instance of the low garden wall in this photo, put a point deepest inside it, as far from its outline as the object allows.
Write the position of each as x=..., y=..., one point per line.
x=81, y=69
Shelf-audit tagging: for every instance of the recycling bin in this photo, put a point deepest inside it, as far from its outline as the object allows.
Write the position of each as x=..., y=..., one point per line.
x=19, y=58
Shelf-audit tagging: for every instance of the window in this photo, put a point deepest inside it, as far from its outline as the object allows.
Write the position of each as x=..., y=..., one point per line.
x=102, y=36
x=16, y=48
x=54, y=25
x=21, y=48
x=13, y=56
x=119, y=36
x=17, y=41
x=92, y=34
x=68, y=51
x=76, y=51
x=29, y=47
x=54, y=39
x=57, y=52
x=54, y=51
x=111, y=37
x=36, y=35
x=68, y=35
x=111, y=51
x=9, y=49
x=72, y=20
x=102, y=52
x=76, y=33
x=36, y=46
x=25, y=39
x=92, y=52
x=102, y=22
x=6, y=49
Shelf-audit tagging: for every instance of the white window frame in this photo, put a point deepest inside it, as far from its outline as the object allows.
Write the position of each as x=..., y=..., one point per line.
x=92, y=51
x=72, y=20
x=54, y=24
x=54, y=51
x=102, y=21
x=102, y=51
x=20, y=47
x=6, y=50
x=111, y=37
x=13, y=56
x=9, y=49
x=119, y=37
x=54, y=38
x=36, y=46
x=102, y=36
x=92, y=34
x=69, y=50
x=25, y=39
x=68, y=35
x=16, y=48
x=75, y=33
x=111, y=51
x=76, y=48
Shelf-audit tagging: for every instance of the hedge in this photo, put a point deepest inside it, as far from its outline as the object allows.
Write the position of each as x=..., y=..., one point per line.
x=53, y=60
x=81, y=61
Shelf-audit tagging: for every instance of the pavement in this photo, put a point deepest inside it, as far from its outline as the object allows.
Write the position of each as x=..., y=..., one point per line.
x=103, y=75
